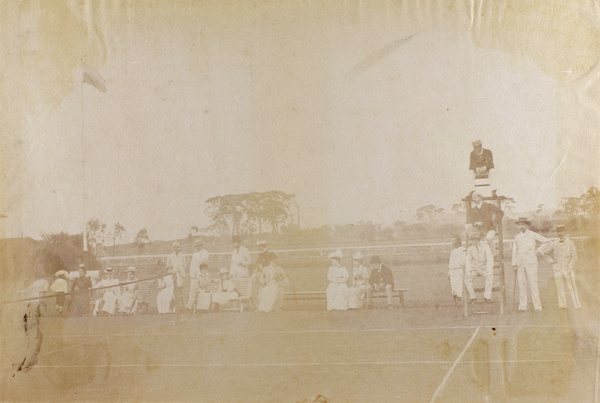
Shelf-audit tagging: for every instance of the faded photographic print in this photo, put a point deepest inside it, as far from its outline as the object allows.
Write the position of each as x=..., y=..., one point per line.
x=300, y=201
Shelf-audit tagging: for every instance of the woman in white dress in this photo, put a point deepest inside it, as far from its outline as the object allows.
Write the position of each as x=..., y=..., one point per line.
x=128, y=299
x=166, y=293
x=337, y=290
x=269, y=295
x=203, y=297
x=227, y=290
x=360, y=280
x=107, y=305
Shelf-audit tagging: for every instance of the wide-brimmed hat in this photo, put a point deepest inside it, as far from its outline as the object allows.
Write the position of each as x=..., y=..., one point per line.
x=176, y=244
x=81, y=265
x=198, y=242
x=261, y=242
x=375, y=259
x=560, y=228
x=358, y=256
x=523, y=220
x=336, y=254
x=130, y=269
x=476, y=143
x=224, y=271
x=108, y=270
x=476, y=194
x=61, y=273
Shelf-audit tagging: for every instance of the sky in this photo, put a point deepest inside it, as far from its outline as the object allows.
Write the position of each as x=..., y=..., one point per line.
x=362, y=113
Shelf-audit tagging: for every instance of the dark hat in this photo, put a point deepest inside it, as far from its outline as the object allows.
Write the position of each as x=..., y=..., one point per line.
x=523, y=220
x=375, y=259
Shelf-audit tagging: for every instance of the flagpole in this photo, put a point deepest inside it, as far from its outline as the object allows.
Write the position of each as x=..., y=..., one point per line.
x=85, y=246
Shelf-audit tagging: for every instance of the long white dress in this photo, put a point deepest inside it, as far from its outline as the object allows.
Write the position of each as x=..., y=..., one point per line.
x=110, y=297
x=272, y=278
x=166, y=293
x=226, y=294
x=337, y=290
x=358, y=291
x=128, y=300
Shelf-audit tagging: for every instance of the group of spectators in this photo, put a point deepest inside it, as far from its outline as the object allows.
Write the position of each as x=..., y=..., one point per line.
x=193, y=290
x=364, y=283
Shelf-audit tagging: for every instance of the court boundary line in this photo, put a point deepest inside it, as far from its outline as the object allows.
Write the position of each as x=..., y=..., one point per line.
x=105, y=337
x=308, y=331
x=447, y=376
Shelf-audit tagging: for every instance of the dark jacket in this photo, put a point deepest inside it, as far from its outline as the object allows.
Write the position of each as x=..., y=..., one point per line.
x=485, y=159
x=381, y=275
x=264, y=258
x=488, y=214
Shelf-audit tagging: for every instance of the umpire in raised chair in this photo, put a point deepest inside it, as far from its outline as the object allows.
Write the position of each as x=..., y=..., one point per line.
x=380, y=280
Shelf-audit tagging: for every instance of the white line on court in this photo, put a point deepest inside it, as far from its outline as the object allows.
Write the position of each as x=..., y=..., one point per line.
x=298, y=364
x=308, y=331
x=104, y=337
x=447, y=376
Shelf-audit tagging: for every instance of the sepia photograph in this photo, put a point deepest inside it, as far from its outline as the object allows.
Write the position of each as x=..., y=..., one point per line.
x=300, y=201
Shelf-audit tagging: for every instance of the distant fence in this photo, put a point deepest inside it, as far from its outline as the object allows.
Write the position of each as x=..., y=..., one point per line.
x=222, y=259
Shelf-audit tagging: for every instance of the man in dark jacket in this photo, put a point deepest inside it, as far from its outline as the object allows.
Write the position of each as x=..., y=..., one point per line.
x=483, y=217
x=381, y=280
x=481, y=161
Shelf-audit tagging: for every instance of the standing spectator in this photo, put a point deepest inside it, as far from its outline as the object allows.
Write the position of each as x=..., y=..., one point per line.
x=176, y=261
x=524, y=261
x=107, y=305
x=479, y=262
x=381, y=280
x=337, y=290
x=166, y=293
x=563, y=266
x=360, y=281
x=199, y=261
x=481, y=162
x=272, y=278
x=203, y=297
x=263, y=259
x=128, y=299
x=240, y=259
x=81, y=292
x=60, y=287
x=456, y=268
x=483, y=217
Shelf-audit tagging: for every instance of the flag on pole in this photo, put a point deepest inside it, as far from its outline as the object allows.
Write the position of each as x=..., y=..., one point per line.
x=92, y=77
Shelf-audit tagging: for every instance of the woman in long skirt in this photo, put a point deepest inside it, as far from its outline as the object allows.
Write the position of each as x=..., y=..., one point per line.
x=165, y=299
x=227, y=291
x=272, y=279
x=128, y=300
x=456, y=267
x=337, y=290
x=110, y=297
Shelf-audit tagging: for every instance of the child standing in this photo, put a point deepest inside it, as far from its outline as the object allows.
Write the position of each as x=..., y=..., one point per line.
x=456, y=267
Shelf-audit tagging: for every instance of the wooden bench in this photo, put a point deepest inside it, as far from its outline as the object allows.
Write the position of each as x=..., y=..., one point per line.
x=242, y=286
x=321, y=295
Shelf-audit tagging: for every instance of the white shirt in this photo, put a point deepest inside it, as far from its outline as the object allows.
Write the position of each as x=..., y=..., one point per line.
x=198, y=259
x=523, y=251
x=177, y=262
x=240, y=261
x=457, y=258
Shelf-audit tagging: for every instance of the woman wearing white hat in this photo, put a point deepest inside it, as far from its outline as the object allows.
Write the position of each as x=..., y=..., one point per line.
x=107, y=305
x=128, y=300
x=337, y=290
x=360, y=280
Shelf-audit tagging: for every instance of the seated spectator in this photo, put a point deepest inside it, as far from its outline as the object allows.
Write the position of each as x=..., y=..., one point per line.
x=337, y=290
x=381, y=280
x=203, y=297
x=227, y=291
x=481, y=162
x=360, y=280
x=60, y=287
x=81, y=290
x=128, y=299
x=479, y=262
x=270, y=296
x=165, y=300
x=107, y=305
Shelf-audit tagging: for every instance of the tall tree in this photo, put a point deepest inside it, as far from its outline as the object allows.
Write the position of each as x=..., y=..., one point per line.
x=141, y=240
x=96, y=233
x=118, y=233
